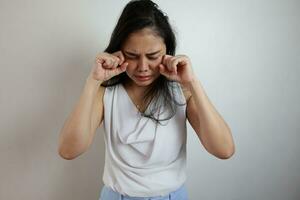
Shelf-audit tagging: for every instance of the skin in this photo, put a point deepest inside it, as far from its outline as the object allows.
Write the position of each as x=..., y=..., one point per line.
x=144, y=52
x=210, y=127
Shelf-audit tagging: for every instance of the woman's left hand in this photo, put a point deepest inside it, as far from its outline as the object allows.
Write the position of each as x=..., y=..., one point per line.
x=177, y=68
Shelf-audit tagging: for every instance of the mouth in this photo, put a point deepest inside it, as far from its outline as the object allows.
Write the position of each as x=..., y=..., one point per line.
x=143, y=78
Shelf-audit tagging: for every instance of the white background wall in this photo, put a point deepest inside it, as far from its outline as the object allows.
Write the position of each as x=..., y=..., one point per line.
x=245, y=53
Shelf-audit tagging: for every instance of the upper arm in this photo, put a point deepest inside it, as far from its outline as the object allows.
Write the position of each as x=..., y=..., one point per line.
x=97, y=112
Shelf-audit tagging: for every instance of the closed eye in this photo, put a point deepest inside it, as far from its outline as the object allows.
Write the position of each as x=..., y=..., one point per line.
x=128, y=57
x=153, y=58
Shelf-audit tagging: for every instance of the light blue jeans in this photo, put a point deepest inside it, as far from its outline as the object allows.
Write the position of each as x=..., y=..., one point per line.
x=108, y=194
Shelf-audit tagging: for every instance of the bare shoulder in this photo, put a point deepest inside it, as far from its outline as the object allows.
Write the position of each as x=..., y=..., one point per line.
x=186, y=92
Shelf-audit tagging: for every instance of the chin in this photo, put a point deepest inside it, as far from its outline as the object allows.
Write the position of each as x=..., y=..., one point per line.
x=143, y=83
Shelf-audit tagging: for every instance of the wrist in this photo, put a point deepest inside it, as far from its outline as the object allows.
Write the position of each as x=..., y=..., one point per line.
x=93, y=82
x=190, y=83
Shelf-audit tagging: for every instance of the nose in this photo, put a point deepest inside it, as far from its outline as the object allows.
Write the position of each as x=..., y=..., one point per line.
x=142, y=64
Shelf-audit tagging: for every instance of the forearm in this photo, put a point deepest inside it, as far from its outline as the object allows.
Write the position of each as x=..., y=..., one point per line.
x=75, y=134
x=213, y=131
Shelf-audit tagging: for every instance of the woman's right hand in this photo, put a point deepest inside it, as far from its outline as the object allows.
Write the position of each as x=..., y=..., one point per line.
x=108, y=65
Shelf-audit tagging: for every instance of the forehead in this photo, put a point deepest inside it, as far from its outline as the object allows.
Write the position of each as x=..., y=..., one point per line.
x=144, y=40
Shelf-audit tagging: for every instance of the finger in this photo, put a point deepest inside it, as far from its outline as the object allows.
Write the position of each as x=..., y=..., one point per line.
x=164, y=71
x=102, y=56
x=181, y=61
x=116, y=62
x=120, y=56
x=120, y=69
x=173, y=66
x=107, y=63
x=100, y=60
x=165, y=59
x=170, y=64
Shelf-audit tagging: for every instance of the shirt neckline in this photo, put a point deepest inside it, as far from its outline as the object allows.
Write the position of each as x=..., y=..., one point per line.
x=131, y=101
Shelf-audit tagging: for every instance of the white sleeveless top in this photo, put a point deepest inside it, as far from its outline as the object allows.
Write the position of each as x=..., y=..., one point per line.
x=142, y=158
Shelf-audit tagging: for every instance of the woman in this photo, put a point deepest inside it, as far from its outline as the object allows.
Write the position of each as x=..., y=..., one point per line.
x=143, y=93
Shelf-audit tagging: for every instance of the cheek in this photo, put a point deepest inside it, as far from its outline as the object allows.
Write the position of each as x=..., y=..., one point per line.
x=130, y=70
x=155, y=64
x=131, y=64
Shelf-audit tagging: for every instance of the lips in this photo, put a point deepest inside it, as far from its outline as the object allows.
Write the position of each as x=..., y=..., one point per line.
x=143, y=78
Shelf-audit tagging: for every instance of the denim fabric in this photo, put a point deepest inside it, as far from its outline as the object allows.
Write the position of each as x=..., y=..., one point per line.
x=108, y=194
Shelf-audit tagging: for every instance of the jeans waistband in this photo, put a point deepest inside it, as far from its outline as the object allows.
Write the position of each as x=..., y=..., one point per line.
x=170, y=195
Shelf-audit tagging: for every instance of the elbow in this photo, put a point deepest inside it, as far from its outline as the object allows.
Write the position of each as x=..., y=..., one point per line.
x=66, y=155
x=69, y=152
x=227, y=154
x=70, y=148
x=228, y=149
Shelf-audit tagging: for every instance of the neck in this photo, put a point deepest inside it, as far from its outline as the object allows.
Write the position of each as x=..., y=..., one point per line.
x=137, y=90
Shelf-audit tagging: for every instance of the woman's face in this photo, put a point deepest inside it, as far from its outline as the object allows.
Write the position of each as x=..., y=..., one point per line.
x=143, y=50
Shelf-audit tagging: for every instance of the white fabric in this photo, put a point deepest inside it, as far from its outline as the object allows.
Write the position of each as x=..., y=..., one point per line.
x=142, y=159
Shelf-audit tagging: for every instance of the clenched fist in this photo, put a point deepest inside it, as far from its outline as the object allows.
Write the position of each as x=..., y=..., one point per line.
x=108, y=65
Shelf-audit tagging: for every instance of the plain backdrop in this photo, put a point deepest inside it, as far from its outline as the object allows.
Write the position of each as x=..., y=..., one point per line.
x=245, y=53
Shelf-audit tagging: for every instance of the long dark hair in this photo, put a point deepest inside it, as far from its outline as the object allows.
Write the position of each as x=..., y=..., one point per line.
x=137, y=15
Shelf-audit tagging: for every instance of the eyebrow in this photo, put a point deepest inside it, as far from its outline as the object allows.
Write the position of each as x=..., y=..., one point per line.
x=148, y=54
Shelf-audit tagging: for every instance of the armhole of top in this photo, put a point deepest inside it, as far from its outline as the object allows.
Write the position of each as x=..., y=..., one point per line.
x=184, y=92
x=105, y=93
x=100, y=97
